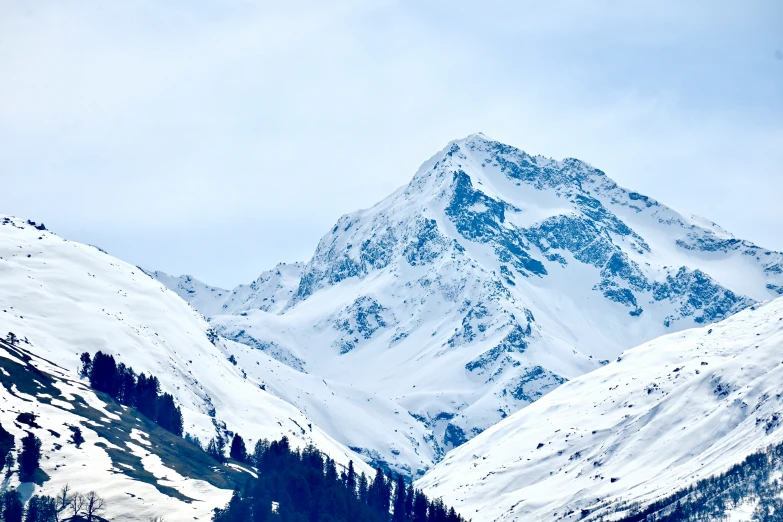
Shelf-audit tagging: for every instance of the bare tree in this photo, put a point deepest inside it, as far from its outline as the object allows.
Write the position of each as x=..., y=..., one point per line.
x=157, y=519
x=77, y=503
x=93, y=505
x=62, y=501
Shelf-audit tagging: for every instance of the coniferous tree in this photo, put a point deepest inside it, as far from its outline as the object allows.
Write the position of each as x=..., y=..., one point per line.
x=350, y=479
x=193, y=440
x=12, y=507
x=103, y=374
x=437, y=511
x=409, y=494
x=400, y=490
x=307, y=487
x=216, y=449
x=363, y=487
x=262, y=445
x=420, y=506
x=30, y=456
x=330, y=470
x=238, y=450
x=142, y=392
x=9, y=462
x=168, y=415
x=86, y=366
x=147, y=392
x=126, y=385
x=6, y=445
x=379, y=493
x=41, y=509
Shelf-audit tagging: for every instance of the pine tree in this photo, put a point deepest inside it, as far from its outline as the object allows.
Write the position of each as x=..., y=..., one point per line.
x=363, y=489
x=12, y=507
x=399, y=500
x=41, y=509
x=9, y=462
x=215, y=449
x=126, y=377
x=378, y=494
x=437, y=511
x=350, y=479
x=331, y=470
x=168, y=415
x=419, y=507
x=86, y=366
x=409, y=495
x=31, y=455
x=103, y=374
x=238, y=451
x=147, y=392
x=261, y=447
x=6, y=445
x=306, y=486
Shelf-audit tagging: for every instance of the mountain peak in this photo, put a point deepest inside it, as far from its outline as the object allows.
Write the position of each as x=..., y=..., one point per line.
x=491, y=279
x=475, y=137
x=478, y=154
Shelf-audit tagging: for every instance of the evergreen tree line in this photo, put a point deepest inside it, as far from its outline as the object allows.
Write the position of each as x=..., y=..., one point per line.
x=137, y=391
x=757, y=479
x=306, y=486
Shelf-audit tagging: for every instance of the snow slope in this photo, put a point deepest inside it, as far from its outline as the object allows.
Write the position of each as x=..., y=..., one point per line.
x=663, y=415
x=366, y=421
x=488, y=281
x=65, y=298
x=126, y=460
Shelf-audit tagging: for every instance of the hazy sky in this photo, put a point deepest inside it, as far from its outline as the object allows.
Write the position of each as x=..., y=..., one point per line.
x=217, y=138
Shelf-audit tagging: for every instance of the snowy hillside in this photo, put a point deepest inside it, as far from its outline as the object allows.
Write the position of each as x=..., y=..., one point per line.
x=488, y=281
x=64, y=298
x=141, y=470
x=662, y=416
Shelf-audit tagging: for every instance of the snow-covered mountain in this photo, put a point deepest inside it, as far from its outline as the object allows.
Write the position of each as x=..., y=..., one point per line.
x=664, y=415
x=488, y=281
x=270, y=292
x=63, y=298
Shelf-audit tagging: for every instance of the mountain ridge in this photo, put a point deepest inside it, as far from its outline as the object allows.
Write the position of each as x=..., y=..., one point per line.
x=504, y=275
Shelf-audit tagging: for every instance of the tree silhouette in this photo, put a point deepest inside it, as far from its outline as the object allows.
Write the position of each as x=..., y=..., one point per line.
x=238, y=451
x=30, y=456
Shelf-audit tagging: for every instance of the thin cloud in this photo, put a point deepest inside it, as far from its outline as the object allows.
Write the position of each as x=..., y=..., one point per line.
x=218, y=139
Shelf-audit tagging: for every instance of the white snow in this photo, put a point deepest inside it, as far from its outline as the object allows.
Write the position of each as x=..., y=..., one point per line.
x=664, y=415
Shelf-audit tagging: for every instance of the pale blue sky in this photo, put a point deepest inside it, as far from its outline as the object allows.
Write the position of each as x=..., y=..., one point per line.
x=219, y=137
